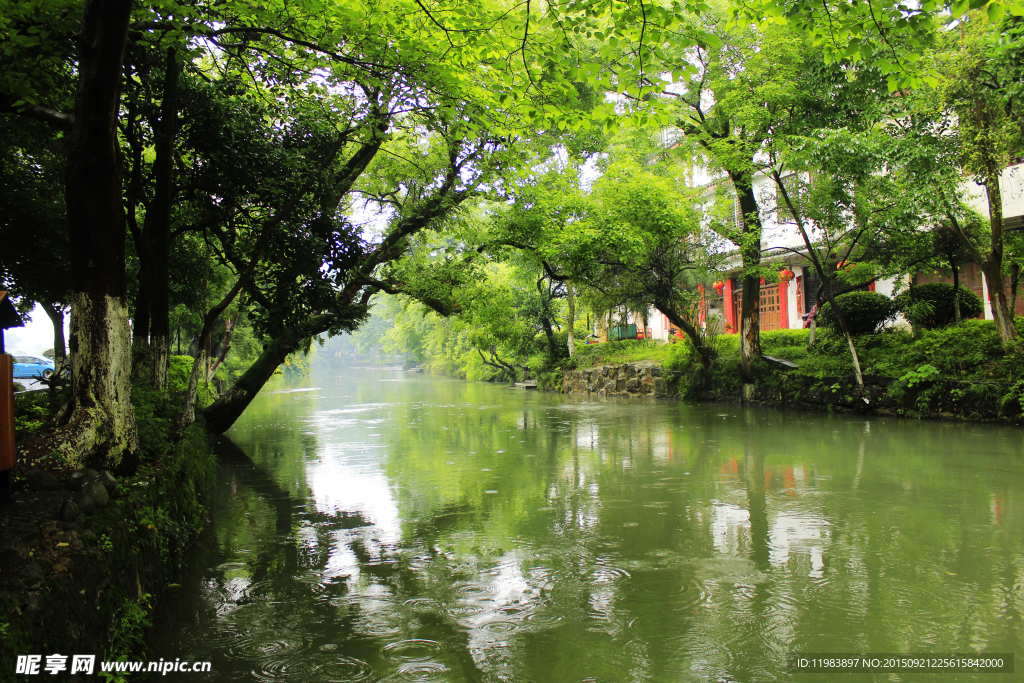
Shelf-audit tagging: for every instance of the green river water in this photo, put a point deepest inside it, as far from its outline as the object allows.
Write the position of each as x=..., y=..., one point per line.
x=380, y=526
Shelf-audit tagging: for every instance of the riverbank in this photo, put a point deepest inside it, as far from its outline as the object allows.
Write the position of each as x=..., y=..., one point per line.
x=957, y=373
x=86, y=555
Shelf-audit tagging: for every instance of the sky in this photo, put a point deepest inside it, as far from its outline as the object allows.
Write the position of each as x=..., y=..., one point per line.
x=35, y=337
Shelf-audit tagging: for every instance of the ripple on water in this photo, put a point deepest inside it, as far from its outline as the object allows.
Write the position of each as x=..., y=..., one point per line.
x=413, y=650
x=286, y=668
x=672, y=593
x=231, y=566
x=474, y=592
x=501, y=627
x=544, y=618
x=423, y=604
x=912, y=603
x=463, y=609
x=608, y=574
x=349, y=670
x=422, y=671
x=260, y=645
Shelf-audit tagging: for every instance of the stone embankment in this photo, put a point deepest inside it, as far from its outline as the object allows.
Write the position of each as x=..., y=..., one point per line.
x=629, y=380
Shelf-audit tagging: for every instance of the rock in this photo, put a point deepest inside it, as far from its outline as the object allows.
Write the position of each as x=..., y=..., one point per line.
x=69, y=511
x=86, y=503
x=41, y=480
x=108, y=480
x=79, y=478
x=98, y=493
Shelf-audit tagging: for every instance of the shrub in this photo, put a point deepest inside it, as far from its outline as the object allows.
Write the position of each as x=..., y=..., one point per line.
x=865, y=312
x=178, y=372
x=540, y=344
x=779, y=339
x=939, y=297
x=680, y=357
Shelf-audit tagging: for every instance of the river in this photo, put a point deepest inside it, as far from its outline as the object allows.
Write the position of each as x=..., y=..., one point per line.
x=383, y=526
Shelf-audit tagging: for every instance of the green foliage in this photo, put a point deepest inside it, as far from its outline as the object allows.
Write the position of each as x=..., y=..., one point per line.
x=1014, y=397
x=680, y=357
x=922, y=374
x=299, y=364
x=940, y=304
x=865, y=312
x=104, y=543
x=155, y=414
x=127, y=636
x=31, y=411
x=178, y=372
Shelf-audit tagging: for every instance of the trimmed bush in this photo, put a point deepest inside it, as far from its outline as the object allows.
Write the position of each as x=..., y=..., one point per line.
x=865, y=312
x=939, y=297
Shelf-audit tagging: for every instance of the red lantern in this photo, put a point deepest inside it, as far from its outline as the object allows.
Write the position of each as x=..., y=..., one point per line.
x=719, y=286
x=786, y=275
x=845, y=265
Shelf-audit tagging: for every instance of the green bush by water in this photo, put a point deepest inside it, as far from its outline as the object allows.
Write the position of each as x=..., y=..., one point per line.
x=933, y=305
x=865, y=312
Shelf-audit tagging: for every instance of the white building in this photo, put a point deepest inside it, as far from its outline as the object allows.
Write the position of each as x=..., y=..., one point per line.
x=784, y=304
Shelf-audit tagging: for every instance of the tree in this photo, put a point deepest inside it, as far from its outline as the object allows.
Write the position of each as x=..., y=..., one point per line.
x=33, y=225
x=986, y=96
x=743, y=94
x=648, y=247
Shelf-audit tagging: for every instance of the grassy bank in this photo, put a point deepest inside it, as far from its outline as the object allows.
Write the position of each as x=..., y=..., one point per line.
x=960, y=370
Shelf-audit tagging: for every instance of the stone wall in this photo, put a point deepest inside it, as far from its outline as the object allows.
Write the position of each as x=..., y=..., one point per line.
x=630, y=380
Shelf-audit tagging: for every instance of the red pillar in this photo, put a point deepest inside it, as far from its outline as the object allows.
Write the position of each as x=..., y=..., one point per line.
x=783, y=305
x=727, y=304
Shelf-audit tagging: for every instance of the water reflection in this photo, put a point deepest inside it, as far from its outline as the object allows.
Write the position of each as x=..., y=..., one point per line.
x=373, y=529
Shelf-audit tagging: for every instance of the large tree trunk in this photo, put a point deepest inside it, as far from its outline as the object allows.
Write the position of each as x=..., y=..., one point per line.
x=992, y=266
x=956, y=288
x=545, y=320
x=750, y=249
x=55, y=313
x=993, y=269
x=705, y=354
x=1014, y=284
x=140, y=323
x=160, y=232
x=98, y=426
x=200, y=364
x=225, y=343
x=225, y=410
x=571, y=319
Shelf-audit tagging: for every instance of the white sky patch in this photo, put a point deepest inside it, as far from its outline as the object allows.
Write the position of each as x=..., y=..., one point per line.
x=35, y=337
